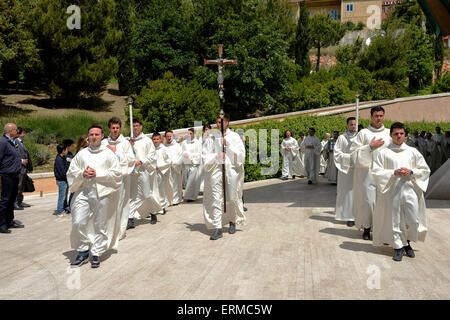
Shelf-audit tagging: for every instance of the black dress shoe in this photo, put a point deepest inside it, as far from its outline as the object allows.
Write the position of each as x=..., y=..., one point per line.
x=409, y=251
x=216, y=235
x=398, y=254
x=95, y=262
x=190, y=200
x=80, y=260
x=232, y=229
x=350, y=223
x=130, y=224
x=16, y=207
x=4, y=230
x=14, y=224
x=366, y=234
x=309, y=182
x=293, y=177
x=164, y=211
x=154, y=219
x=25, y=205
x=245, y=209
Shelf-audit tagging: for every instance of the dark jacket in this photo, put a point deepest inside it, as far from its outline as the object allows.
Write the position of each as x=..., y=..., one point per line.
x=10, y=160
x=60, y=168
x=23, y=151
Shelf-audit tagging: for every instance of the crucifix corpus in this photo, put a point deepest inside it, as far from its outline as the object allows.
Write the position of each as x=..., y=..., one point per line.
x=220, y=62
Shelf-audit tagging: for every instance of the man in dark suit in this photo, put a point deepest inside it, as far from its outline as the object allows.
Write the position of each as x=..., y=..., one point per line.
x=27, y=167
x=10, y=168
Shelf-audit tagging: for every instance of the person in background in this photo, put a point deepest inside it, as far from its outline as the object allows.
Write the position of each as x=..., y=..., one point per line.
x=68, y=144
x=82, y=143
x=60, y=169
x=27, y=167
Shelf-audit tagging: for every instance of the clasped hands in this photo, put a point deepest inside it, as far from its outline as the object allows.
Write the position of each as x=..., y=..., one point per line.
x=89, y=173
x=402, y=172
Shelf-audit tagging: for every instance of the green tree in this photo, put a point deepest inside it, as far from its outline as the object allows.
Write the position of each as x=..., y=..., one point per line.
x=18, y=51
x=303, y=43
x=170, y=103
x=325, y=32
x=420, y=57
x=78, y=61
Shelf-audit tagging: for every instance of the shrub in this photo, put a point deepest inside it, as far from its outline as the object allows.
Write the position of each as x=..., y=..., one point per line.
x=175, y=103
x=443, y=84
x=39, y=155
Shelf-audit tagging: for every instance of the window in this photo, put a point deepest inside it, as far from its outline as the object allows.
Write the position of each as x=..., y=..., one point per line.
x=384, y=10
x=334, y=14
x=350, y=7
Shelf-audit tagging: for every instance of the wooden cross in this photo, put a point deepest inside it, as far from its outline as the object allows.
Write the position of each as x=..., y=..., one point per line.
x=220, y=62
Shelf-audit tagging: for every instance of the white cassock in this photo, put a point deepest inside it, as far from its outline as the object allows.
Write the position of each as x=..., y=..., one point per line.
x=323, y=161
x=437, y=153
x=365, y=189
x=160, y=177
x=95, y=218
x=193, y=150
x=342, y=160
x=300, y=162
x=125, y=154
x=289, y=156
x=174, y=188
x=234, y=171
x=144, y=199
x=420, y=144
x=312, y=157
x=400, y=209
x=329, y=156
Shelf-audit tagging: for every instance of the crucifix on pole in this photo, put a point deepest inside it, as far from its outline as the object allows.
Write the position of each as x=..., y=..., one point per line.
x=220, y=62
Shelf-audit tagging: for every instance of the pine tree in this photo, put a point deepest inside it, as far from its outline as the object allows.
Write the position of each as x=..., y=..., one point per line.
x=303, y=42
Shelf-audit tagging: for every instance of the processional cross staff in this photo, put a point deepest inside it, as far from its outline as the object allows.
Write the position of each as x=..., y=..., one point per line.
x=132, y=137
x=220, y=62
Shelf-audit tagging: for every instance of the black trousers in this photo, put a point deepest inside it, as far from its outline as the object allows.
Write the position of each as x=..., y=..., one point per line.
x=21, y=187
x=9, y=186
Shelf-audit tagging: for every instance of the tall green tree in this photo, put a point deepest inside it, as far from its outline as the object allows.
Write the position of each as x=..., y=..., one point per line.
x=75, y=61
x=303, y=42
x=325, y=32
x=420, y=57
x=18, y=50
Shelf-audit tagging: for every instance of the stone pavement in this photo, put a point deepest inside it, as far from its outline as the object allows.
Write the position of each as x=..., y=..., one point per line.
x=291, y=248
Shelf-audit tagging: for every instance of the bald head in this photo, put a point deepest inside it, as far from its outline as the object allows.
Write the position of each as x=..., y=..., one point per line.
x=10, y=129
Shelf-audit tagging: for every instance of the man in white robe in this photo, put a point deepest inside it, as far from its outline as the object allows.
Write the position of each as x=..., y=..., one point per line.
x=300, y=169
x=289, y=150
x=174, y=188
x=323, y=161
x=419, y=143
x=312, y=147
x=144, y=197
x=192, y=157
x=159, y=172
x=429, y=149
x=364, y=149
x=437, y=153
x=342, y=159
x=329, y=156
x=124, y=152
x=401, y=175
x=213, y=198
x=95, y=177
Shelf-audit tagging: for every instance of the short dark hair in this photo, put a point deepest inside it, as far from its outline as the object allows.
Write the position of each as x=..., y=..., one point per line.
x=156, y=134
x=435, y=128
x=206, y=126
x=226, y=117
x=67, y=142
x=301, y=134
x=397, y=125
x=165, y=133
x=114, y=120
x=314, y=130
x=350, y=119
x=96, y=126
x=20, y=130
x=376, y=109
x=335, y=132
x=60, y=148
x=192, y=130
x=287, y=132
x=137, y=120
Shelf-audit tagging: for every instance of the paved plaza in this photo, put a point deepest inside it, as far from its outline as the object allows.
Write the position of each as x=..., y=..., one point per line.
x=290, y=248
